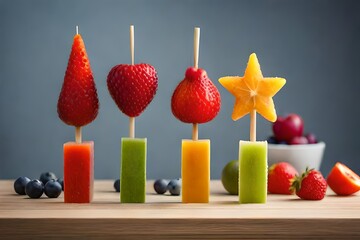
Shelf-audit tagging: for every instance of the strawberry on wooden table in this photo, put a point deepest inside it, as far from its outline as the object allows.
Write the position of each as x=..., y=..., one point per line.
x=280, y=176
x=311, y=185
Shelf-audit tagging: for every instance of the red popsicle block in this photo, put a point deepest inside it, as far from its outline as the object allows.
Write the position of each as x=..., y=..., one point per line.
x=78, y=172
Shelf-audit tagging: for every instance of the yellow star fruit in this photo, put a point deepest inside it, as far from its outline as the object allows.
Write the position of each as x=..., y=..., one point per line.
x=253, y=91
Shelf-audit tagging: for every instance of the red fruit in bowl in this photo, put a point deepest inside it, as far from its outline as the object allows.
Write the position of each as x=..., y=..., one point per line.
x=132, y=87
x=280, y=176
x=287, y=128
x=298, y=140
x=196, y=99
x=78, y=102
x=311, y=138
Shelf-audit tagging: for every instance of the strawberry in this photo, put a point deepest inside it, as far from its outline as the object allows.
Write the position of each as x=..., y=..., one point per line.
x=196, y=99
x=280, y=176
x=132, y=87
x=78, y=102
x=311, y=185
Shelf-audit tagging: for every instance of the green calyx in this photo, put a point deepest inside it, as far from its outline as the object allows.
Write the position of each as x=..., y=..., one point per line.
x=297, y=180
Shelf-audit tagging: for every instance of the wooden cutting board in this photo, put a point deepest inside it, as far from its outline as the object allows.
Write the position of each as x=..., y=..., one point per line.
x=164, y=216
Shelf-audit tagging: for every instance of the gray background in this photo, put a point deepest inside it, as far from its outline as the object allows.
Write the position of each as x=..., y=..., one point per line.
x=315, y=45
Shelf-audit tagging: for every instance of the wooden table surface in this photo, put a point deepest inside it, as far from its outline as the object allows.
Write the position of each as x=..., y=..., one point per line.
x=164, y=216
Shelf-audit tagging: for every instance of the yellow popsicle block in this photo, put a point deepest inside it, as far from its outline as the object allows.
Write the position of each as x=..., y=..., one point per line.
x=253, y=91
x=195, y=171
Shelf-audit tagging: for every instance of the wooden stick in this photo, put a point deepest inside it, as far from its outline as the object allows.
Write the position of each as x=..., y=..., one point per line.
x=132, y=43
x=253, y=125
x=196, y=46
x=132, y=119
x=78, y=138
x=195, y=132
x=132, y=127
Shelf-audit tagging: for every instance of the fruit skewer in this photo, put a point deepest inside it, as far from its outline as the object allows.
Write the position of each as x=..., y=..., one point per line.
x=253, y=93
x=78, y=106
x=195, y=100
x=132, y=87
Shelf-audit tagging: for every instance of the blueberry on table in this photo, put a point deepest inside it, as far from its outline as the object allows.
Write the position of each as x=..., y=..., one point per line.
x=19, y=185
x=52, y=189
x=61, y=181
x=117, y=185
x=46, y=176
x=34, y=188
x=160, y=186
x=174, y=187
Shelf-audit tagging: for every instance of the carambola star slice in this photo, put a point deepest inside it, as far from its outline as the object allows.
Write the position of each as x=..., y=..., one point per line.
x=253, y=91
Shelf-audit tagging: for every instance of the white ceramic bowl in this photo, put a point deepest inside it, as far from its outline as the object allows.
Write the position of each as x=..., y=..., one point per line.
x=300, y=156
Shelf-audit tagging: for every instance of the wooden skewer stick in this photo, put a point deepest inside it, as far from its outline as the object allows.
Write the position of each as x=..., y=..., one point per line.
x=196, y=46
x=131, y=127
x=78, y=138
x=253, y=125
x=132, y=119
x=195, y=131
x=132, y=43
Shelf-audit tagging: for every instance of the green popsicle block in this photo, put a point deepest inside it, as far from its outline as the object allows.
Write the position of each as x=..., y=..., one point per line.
x=133, y=170
x=252, y=172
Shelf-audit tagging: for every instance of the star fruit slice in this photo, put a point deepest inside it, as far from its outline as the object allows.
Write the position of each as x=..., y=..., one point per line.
x=253, y=91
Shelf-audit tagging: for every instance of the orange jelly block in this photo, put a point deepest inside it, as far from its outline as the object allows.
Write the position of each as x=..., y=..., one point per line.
x=195, y=171
x=78, y=172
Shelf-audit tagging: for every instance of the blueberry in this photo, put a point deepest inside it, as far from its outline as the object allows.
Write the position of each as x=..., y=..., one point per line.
x=117, y=185
x=52, y=189
x=34, y=188
x=283, y=142
x=19, y=185
x=61, y=181
x=160, y=186
x=174, y=187
x=46, y=176
x=272, y=140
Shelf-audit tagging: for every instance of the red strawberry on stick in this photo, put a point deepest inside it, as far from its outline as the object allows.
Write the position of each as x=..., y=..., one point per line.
x=132, y=87
x=196, y=99
x=78, y=102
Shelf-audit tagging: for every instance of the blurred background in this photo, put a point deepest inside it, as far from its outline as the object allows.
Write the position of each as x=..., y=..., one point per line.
x=315, y=45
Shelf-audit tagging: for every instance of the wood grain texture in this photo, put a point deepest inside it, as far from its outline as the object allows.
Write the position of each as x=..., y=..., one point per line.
x=165, y=217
